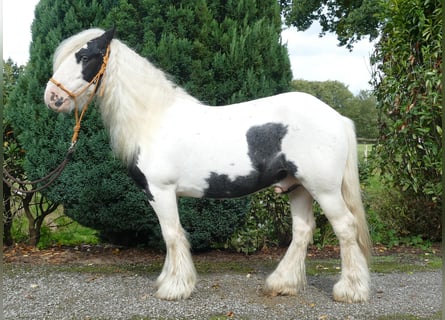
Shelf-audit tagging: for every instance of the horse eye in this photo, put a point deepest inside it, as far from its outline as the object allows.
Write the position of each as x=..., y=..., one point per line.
x=84, y=58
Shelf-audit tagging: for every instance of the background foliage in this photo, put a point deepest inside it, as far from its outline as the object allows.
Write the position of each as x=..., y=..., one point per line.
x=407, y=80
x=407, y=66
x=350, y=20
x=360, y=108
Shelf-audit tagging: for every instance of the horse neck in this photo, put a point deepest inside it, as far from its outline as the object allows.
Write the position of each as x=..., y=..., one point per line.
x=135, y=98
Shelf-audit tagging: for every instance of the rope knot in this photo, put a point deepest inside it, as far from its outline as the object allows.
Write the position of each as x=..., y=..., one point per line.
x=76, y=131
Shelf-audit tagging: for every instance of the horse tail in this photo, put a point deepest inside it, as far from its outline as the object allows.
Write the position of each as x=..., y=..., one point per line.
x=352, y=194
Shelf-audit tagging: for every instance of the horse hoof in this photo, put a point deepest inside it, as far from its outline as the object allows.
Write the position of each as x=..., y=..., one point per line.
x=164, y=294
x=350, y=294
x=275, y=288
x=174, y=288
x=282, y=292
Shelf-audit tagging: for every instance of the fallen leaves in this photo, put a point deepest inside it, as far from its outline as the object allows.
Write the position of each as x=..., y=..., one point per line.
x=108, y=254
x=30, y=254
x=84, y=254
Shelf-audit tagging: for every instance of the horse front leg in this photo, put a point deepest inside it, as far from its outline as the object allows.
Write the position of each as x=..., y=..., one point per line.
x=178, y=277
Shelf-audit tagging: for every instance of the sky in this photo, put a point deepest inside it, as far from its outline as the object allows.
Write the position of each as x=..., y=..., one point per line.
x=312, y=58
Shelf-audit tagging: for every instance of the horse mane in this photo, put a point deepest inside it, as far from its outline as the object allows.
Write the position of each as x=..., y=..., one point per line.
x=135, y=94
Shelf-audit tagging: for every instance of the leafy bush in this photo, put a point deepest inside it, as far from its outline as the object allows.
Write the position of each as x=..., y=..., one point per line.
x=269, y=224
x=210, y=222
x=407, y=80
x=390, y=219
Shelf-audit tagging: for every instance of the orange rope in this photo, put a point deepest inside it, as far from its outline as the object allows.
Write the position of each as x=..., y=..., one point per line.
x=95, y=82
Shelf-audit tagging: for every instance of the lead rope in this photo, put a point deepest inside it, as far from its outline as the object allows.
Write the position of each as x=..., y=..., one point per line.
x=53, y=175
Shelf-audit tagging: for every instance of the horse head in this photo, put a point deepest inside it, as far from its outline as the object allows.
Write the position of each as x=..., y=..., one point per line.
x=79, y=64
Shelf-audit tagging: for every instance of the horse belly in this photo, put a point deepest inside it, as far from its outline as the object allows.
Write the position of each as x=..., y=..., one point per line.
x=220, y=186
x=234, y=151
x=264, y=164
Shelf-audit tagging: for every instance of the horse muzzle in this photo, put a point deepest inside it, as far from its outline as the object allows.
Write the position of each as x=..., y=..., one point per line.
x=57, y=99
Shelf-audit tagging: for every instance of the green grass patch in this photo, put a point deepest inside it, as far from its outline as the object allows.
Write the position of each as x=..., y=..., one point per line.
x=316, y=267
x=155, y=267
x=405, y=263
x=363, y=151
x=69, y=233
x=57, y=230
x=379, y=264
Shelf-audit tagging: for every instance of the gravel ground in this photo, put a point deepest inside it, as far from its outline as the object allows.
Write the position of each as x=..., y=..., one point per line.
x=39, y=292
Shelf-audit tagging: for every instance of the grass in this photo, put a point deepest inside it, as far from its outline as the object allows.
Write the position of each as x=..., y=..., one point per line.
x=363, y=150
x=406, y=263
x=57, y=230
x=66, y=232
x=380, y=264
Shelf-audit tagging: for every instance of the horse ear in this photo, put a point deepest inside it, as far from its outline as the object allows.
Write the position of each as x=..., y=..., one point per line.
x=104, y=40
x=109, y=34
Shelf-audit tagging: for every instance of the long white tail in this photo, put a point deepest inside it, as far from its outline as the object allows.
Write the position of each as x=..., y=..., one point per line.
x=352, y=194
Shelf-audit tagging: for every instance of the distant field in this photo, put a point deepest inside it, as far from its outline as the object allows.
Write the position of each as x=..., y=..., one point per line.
x=363, y=151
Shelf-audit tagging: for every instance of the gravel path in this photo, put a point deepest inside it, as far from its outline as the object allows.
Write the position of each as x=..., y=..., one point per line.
x=40, y=292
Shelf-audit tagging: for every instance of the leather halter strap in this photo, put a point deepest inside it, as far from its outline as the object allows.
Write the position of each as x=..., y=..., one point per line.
x=96, y=81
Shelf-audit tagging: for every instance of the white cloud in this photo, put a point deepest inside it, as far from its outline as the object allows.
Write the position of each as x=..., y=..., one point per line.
x=319, y=59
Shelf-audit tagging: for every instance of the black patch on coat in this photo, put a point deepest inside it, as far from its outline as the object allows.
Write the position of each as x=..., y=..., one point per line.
x=92, y=57
x=140, y=180
x=269, y=164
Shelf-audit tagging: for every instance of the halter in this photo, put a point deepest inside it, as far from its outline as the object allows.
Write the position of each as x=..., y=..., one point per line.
x=96, y=82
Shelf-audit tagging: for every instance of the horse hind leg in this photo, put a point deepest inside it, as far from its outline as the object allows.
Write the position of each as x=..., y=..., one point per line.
x=290, y=275
x=353, y=285
x=178, y=277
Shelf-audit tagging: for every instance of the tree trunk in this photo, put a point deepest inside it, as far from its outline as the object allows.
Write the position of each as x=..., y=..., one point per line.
x=7, y=217
x=33, y=233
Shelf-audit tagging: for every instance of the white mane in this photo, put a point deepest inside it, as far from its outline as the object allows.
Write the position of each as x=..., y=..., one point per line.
x=135, y=93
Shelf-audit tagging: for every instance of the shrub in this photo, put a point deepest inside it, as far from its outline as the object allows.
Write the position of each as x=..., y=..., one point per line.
x=407, y=80
x=269, y=224
x=210, y=222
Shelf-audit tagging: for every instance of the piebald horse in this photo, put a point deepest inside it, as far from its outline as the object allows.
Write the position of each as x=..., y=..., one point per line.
x=174, y=146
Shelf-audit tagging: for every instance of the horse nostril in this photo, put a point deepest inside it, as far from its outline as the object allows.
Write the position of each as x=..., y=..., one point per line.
x=59, y=102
